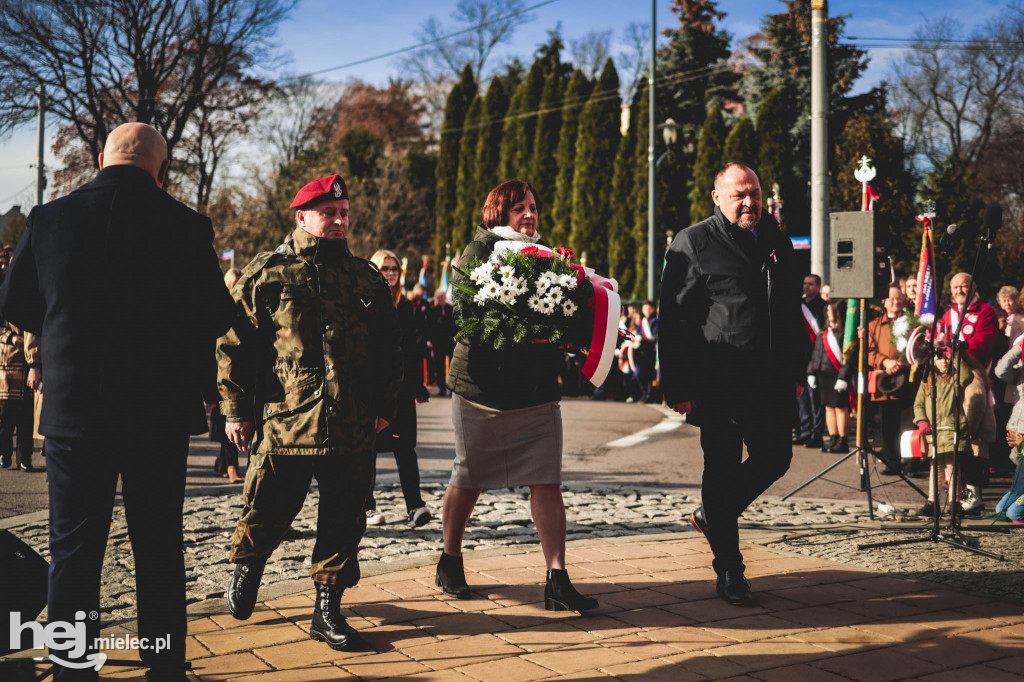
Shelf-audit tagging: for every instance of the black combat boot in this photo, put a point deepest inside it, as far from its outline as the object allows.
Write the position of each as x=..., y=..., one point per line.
x=451, y=577
x=827, y=445
x=245, y=585
x=560, y=595
x=328, y=624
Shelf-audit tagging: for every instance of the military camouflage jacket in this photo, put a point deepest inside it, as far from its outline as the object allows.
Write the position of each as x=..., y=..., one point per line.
x=314, y=354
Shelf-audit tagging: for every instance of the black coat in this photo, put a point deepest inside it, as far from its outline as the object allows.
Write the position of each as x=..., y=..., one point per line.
x=401, y=434
x=730, y=320
x=124, y=286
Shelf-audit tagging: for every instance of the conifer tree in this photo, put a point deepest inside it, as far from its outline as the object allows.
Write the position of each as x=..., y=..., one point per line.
x=573, y=101
x=543, y=168
x=784, y=64
x=741, y=144
x=709, y=159
x=670, y=201
x=956, y=201
x=467, y=201
x=872, y=135
x=621, y=242
x=488, y=144
x=773, y=155
x=520, y=125
x=693, y=71
x=596, y=146
x=456, y=107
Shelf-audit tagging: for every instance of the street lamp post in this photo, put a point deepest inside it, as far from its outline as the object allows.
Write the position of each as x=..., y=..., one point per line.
x=669, y=133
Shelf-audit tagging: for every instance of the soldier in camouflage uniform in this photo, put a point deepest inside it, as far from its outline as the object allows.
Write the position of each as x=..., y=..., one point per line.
x=307, y=375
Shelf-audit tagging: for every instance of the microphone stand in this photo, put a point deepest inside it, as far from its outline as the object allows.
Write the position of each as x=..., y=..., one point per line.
x=954, y=538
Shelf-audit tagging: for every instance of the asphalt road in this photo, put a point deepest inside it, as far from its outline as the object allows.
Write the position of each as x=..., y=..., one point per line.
x=605, y=442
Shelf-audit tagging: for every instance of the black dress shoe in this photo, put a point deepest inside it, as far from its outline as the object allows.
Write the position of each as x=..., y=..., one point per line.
x=329, y=626
x=814, y=442
x=699, y=521
x=800, y=440
x=451, y=577
x=560, y=595
x=5, y=463
x=734, y=588
x=26, y=467
x=245, y=585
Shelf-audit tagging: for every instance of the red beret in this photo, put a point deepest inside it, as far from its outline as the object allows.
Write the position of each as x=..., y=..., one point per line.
x=330, y=188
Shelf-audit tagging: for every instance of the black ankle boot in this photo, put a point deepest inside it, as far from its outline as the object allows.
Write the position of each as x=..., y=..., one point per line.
x=842, y=445
x=451, y=577
x=245, y=585
x=560, y=595
x=827, y=446
x=328, y=624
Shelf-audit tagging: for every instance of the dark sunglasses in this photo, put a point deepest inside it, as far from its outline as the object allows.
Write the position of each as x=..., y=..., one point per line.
x=390, y=268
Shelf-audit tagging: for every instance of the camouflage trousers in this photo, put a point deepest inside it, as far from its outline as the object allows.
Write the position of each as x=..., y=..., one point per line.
x=275, y=489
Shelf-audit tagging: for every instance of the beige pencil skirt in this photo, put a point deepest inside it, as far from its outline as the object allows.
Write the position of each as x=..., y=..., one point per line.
x=506, y=448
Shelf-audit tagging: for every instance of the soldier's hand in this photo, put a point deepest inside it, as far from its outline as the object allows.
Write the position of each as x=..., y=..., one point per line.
x=240, y=434
x=35, y=378
x=381, y=424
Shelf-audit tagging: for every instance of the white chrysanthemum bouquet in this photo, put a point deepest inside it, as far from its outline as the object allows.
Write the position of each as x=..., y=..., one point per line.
x=522, y=296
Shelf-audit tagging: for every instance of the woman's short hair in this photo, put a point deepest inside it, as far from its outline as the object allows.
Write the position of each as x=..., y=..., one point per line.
x=1008, y=292
x=502, y=198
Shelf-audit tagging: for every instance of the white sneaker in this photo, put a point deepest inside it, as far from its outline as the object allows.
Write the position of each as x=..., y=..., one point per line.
x=374, y=518
x=972, y=502
x=419, y=517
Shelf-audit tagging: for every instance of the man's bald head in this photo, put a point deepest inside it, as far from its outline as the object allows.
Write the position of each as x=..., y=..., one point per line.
x=139, y=145
x=960, y=287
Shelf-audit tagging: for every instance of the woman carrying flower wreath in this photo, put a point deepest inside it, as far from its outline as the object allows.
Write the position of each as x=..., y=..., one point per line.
x=508, y=424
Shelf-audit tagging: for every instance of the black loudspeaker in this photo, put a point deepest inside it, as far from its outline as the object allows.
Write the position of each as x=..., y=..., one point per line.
x=859, y=265
x=25, y=585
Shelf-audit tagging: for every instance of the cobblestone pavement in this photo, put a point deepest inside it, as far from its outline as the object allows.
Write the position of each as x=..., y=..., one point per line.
x=824, y=529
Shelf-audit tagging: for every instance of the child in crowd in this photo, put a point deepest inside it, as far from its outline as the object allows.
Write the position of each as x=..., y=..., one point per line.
x=948, y=414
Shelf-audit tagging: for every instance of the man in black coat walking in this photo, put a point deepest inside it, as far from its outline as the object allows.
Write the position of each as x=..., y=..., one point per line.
x=733, y=350
x=123, y=285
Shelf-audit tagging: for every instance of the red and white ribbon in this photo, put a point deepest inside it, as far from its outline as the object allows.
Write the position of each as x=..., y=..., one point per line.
x=606, y=313
x=832, y=349
x=810, y=322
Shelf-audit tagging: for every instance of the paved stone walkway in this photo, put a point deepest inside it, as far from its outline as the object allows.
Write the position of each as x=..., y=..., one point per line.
x=824, y=530
x=659, y=620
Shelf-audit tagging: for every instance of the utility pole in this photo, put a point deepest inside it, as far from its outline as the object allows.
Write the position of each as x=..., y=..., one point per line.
x=650, y=156
x=819, y=141
x=40, y=125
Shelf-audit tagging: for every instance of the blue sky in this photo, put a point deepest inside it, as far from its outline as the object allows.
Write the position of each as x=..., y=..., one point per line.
x=327, y=33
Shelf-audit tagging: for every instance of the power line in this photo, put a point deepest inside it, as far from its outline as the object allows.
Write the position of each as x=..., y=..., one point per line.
x=425, y=43
x=26, y=188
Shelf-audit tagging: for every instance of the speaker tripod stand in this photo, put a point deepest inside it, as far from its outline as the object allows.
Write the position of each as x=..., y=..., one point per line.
x=862, y=452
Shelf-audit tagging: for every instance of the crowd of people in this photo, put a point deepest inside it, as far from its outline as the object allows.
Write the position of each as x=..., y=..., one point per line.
x=321, y=358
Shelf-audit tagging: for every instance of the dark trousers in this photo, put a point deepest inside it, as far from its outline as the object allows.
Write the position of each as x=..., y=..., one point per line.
x=409, y=477
x=811, y=422
x=730, y=483
x=439, y=360
x=17, y=414
x=890, y=414
x=275, y=489
x=82, y=478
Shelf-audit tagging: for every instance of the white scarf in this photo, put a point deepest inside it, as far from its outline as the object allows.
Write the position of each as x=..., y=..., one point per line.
x=506, y=232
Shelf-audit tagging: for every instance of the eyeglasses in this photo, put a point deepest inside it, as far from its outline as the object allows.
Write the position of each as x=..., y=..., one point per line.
x=389, y=268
